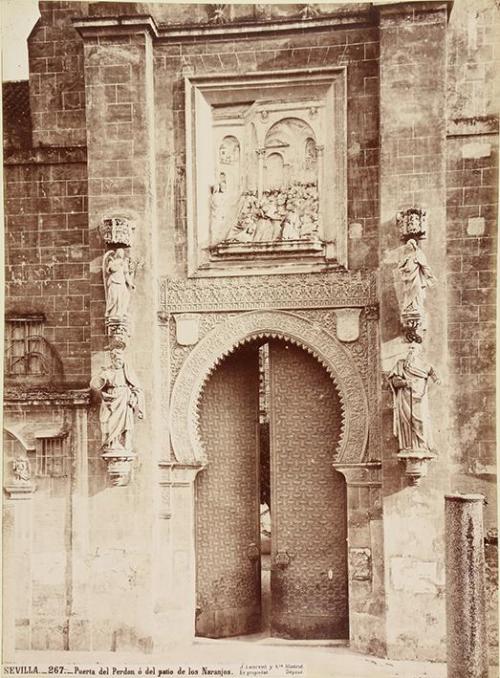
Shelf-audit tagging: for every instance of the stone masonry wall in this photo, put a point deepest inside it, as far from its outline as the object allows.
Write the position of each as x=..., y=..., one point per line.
x=472, y=209
x=57, y=86
x=47, y=265
x=354, y=47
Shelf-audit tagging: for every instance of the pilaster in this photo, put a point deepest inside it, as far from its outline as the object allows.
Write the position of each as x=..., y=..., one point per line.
x=412, y=164
x=365, y=556
x=120, y=114
x=175, y=605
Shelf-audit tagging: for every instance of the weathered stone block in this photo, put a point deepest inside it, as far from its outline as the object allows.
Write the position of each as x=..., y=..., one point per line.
x=475, y=150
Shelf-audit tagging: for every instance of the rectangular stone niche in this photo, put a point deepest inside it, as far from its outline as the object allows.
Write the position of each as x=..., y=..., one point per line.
x=266, y=172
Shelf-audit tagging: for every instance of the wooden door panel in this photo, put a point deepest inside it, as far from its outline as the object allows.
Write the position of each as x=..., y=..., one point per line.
x=308, y=512
x=227, y=501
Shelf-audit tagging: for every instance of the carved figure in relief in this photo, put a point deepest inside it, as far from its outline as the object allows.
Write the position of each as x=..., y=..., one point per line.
x=280, y=214
x=416, y=276
x=118, y=281
x=21, y=470
x=121, y=399
x=409, y=381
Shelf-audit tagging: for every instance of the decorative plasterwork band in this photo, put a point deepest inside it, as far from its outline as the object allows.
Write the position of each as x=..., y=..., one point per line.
x=269, y=292
x=70, y=397
x=237, y=330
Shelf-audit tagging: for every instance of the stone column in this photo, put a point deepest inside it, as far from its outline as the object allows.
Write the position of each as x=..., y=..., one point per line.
x=261, y=154
x=465, y=592
x=412, y=174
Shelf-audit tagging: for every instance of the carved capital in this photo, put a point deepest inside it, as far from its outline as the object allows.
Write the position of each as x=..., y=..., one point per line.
x=362, y=474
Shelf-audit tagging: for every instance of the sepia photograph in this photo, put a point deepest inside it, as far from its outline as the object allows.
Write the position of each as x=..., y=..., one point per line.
x=250, y=296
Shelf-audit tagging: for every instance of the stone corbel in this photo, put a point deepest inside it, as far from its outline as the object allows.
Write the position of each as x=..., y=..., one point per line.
x=416, y=464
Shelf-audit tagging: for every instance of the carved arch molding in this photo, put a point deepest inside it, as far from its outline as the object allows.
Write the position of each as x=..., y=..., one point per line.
x=237, y=330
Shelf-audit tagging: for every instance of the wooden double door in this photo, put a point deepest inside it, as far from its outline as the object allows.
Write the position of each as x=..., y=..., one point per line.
x=308, y=559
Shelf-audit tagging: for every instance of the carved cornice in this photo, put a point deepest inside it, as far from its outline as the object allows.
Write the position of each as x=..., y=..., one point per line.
x=389, y=10
x=91, y=27
x=40, y=397
x=240, y=329
x=245, y=293
x=20, y=491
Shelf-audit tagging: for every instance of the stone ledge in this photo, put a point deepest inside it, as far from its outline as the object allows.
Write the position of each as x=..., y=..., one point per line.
x=15, y=396
x=484, y=124
x=20, y=491
x=50, y=155
x=94, y=27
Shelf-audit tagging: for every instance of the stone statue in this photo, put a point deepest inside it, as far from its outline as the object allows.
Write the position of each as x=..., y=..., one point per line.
x=118, y=281
x=21, y=470
x=122, y=399
x=416, y=276
x=409, y=384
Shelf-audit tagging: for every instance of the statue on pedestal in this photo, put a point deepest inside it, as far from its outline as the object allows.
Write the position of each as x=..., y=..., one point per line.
x=409, y=380
x=417, y=276
x=118, y=281
x=122, y=399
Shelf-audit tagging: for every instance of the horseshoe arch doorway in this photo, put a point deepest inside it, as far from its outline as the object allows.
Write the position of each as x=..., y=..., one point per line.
x=271, y=514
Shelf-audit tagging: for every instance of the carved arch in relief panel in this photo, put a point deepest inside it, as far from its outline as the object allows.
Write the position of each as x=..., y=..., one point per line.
x=266, y=172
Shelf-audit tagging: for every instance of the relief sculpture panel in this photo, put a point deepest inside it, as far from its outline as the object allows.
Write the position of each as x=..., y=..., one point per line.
x=265, y=168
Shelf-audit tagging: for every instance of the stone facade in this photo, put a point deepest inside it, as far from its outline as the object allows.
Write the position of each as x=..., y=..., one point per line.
x=120, y=150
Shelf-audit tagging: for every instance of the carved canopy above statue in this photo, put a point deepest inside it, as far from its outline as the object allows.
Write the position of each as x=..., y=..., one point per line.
x=265, y=169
